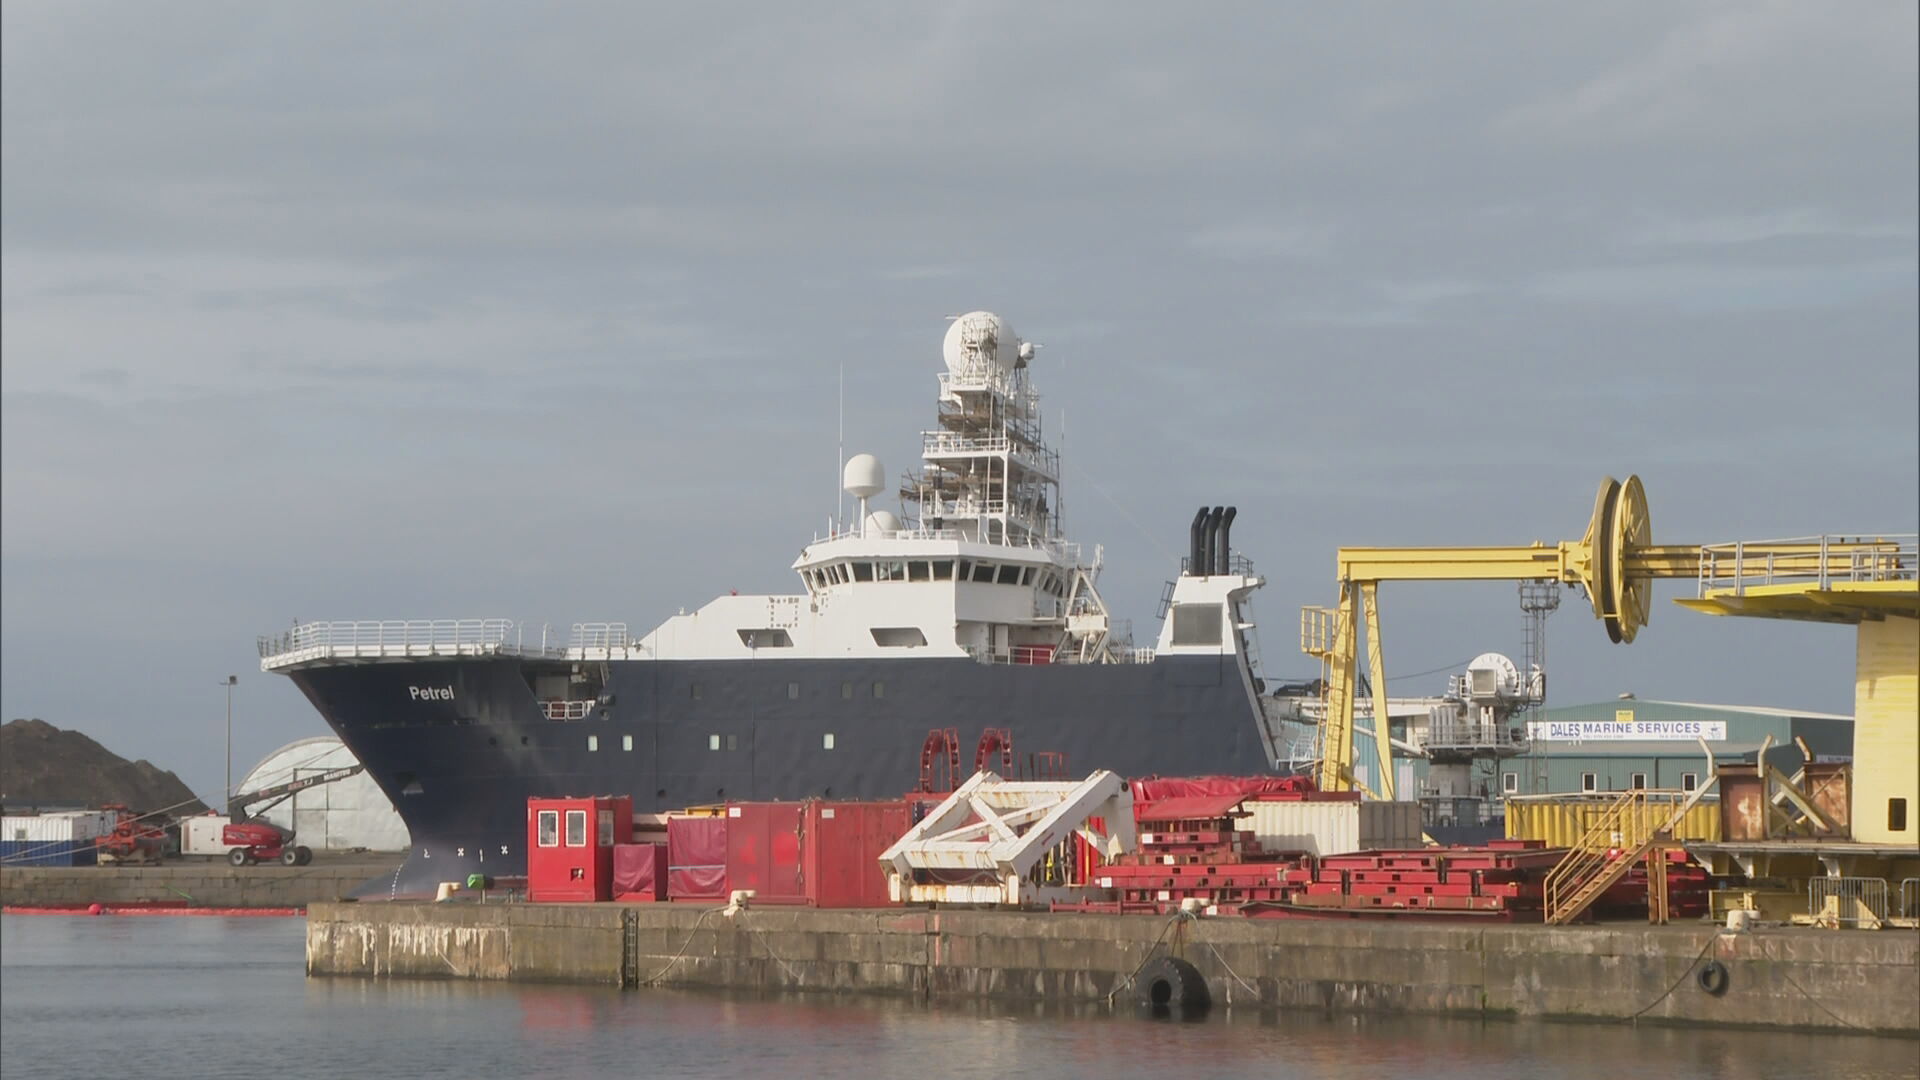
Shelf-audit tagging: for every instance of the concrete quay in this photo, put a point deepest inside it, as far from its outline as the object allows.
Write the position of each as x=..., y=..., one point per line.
x=1776, y=977
x=196, y=884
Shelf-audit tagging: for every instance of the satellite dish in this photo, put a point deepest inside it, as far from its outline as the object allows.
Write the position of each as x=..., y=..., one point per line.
x=864, y=476
x=982, y=337
x=1493, y=675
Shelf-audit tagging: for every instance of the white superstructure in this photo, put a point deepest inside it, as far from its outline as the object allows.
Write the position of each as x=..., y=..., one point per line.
x=975, y=565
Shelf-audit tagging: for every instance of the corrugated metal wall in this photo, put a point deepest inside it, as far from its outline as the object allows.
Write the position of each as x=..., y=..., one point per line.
x=1562, y=820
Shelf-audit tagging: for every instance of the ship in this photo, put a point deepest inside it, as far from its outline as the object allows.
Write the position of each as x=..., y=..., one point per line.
x=965, y=631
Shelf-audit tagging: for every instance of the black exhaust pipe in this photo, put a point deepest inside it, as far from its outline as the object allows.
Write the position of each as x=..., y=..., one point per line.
x=1196, y=552
x=1221, y=563
x=1212, y=538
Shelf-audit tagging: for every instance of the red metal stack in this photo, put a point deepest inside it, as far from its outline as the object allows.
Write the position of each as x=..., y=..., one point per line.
x=1504, y=880
x=1190, y=850
x=1688, y=889
x=818, y=853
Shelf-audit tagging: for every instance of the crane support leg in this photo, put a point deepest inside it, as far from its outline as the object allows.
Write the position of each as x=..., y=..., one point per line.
x=1336, y=745
x=1377, y=675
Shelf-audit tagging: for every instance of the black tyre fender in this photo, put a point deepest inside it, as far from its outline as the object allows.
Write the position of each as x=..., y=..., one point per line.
x=1713, y=977
x=1170, y=982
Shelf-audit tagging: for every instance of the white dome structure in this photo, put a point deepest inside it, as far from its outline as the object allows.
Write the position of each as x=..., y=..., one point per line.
x=863, y=476
x=981, y=337
x=344, y=815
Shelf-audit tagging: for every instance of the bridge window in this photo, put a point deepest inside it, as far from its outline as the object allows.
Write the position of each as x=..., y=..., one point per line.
x=1009, y=575
x=890, y=570
x=983, y=572
x=943, y=570
x=964, y=571
x=919, y=571
x=765, y=638
x=863, y=571
x=898, y=637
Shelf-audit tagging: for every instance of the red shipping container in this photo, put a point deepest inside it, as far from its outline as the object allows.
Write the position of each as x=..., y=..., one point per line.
x=697, y=858
x=842, y=842
x=570, y=844
x=763, y=851
x=639, y=873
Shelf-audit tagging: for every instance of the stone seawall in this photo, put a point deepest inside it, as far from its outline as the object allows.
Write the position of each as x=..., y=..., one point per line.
x=198, y=884
x=1775, y=977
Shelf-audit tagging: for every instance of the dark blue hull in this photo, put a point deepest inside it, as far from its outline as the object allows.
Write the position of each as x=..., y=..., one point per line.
x=459, y=745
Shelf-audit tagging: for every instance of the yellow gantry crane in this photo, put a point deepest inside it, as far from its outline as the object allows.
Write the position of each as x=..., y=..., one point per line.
x=1615, y=562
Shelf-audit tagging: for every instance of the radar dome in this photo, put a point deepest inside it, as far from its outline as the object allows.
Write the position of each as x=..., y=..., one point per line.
x=982, y=337
x=883, y=521
x=1492, y=675
x=863, y=477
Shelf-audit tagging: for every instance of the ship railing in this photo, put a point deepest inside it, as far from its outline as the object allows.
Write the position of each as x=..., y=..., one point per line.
x=599, y=635
x=560, y=709
x=399, y=638
x=1818, y=560
x=947, y=442
x=1236, y=564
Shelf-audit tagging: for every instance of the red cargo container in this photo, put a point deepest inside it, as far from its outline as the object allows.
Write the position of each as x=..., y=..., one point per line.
x=697, y=858
x=639, y=873
x=763, y=851
x=570, y=845
x=842, y=842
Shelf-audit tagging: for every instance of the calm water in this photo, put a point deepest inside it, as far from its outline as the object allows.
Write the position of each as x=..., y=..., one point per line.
x=197, y=997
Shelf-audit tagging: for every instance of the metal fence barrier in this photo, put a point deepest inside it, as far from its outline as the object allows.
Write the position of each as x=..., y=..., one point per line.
x=1848, y=901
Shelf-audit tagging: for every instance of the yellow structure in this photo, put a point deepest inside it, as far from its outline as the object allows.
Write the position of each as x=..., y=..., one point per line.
x=1876, y=588
x=1615, y=562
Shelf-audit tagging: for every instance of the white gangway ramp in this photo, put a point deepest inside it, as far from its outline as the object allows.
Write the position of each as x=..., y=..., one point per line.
x=980, y=845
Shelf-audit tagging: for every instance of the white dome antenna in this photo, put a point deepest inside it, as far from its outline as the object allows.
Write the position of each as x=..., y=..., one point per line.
x=981, y=343
x=863, y=477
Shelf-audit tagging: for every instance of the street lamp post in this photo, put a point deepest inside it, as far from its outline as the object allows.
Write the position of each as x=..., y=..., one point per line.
x=231, y=679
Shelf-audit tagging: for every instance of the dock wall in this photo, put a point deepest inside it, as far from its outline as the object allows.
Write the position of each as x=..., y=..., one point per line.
x=208, y=884
x=1776, y=977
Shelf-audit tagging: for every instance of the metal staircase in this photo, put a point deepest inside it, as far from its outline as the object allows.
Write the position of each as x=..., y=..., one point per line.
x=1633, y=825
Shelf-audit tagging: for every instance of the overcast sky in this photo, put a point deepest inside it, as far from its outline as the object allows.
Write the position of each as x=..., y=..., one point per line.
x=373, y=311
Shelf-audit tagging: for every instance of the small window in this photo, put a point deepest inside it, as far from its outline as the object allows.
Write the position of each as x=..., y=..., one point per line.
x=863, y=571
x=733, y=742
x=1896, y=815
x=694, y=691
x=1689, y=781
x=826, y=741
x=713, y=742
x=593, y=743
x=1638, y=781
x=793, y=691
x=1009, y=575
x=606, y=828
x=879, y=689
x=983, y=572
x=1510, y=782
x=549, y=831
x=576, y=828
x=943, y=570
x=919, y=571
x=626, y=742
x=1589, y=782
x=846, y=691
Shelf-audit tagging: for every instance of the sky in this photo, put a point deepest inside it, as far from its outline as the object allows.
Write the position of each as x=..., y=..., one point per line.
x=544, y=312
